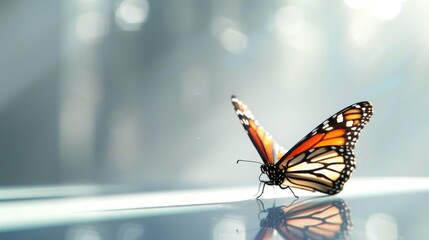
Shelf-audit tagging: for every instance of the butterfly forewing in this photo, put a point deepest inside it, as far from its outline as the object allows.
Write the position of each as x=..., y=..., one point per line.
x=341, y=129
x=266, y=146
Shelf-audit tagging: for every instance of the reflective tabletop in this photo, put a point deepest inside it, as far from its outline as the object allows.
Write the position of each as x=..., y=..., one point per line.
x=368, y=208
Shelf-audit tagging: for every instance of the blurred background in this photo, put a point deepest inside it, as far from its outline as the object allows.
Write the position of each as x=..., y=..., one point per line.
x=137, y=93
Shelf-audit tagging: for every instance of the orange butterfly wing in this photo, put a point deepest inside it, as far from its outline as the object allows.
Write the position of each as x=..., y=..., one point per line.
x=324, y=160
x=341, y=129
x=269, y=150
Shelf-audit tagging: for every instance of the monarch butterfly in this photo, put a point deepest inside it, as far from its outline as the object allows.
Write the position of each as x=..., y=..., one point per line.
x=322, y=161
x=309, y=219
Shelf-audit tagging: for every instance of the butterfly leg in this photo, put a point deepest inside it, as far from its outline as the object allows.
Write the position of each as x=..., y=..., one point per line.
x=261, y=205
x=282, y=187
x=259, y=187
x=260, y=175
x=263, y=187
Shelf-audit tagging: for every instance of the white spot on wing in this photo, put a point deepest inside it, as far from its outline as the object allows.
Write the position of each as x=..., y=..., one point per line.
x=349, y=123
x=340, y=118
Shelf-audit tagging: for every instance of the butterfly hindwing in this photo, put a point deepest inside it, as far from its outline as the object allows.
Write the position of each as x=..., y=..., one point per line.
x=323, y=169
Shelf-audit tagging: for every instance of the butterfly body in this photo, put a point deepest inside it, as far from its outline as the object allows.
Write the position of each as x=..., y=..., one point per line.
x=274, y=173
x=322, y=161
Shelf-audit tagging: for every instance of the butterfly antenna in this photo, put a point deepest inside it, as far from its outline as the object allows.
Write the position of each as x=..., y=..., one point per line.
x=249, y=161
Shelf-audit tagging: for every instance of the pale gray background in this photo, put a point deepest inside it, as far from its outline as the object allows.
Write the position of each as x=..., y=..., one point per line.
x=138, y=92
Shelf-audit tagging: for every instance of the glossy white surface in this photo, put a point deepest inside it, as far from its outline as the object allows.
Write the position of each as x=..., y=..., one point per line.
x=57, y=211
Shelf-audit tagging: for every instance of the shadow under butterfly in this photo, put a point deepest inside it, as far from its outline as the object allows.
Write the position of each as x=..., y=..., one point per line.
x=315, y=219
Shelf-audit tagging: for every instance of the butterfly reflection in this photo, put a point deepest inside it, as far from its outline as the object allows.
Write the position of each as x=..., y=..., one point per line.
x=315, y=219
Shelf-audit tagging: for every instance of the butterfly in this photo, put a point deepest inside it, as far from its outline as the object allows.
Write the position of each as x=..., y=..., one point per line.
x=322, y=161
x=310, y=219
